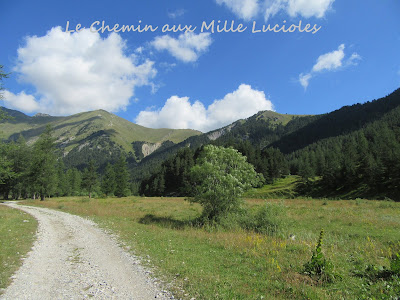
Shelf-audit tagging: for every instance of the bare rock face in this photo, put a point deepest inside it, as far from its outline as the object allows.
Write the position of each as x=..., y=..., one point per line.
x=41, y=115
x=148, y=148
x=218, y=133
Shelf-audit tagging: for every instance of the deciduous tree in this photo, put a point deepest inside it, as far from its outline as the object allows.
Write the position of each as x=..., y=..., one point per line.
x=220, y=178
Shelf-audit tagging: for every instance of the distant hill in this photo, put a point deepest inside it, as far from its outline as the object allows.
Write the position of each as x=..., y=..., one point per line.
x=96, y=134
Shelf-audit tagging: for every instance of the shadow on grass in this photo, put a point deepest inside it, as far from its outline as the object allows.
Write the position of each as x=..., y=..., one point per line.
x=169, y=222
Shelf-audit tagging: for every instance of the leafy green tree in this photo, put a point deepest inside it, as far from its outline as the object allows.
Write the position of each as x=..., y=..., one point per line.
x=43, y=173
x=108, y=182
x=220, y=178
x=89, y=178
x=121, y=178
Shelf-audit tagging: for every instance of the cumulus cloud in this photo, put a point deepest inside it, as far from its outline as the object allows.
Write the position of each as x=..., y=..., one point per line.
x=78, y=72
x=21, y=101
x=245, y=9
x=330, y=61
x=187, y=47
x=180, y=113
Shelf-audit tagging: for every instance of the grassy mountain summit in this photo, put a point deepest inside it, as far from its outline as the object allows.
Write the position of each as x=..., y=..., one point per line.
x=98, y=131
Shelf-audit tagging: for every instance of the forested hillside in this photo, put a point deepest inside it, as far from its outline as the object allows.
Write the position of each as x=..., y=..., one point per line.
x=351, y=152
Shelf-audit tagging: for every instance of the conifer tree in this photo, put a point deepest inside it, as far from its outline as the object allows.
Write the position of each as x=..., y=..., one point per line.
x=108, y=181
x=121, y=178
x=89, y=178
x=62, y=187
x=74, y=179
x=43, y=165
x=20, y=157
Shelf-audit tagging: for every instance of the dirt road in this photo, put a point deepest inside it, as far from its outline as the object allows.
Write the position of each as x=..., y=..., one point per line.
x=73, y=259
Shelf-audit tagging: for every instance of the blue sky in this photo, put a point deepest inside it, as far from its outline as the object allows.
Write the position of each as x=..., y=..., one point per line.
x=199, y=80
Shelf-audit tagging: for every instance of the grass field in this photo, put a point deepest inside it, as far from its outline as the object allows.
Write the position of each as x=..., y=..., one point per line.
x=17, y=231
x=218, y=263
x=282, y=188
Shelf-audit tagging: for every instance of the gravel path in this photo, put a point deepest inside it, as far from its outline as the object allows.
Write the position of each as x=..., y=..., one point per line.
x=73, y=259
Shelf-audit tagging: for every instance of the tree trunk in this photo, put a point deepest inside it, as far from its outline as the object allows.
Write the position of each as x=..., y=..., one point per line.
x=41, y=197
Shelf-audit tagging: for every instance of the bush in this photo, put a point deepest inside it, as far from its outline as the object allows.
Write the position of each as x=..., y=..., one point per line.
x=270, y=218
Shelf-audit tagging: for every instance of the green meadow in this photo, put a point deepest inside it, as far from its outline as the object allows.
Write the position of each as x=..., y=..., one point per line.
x=230, y=262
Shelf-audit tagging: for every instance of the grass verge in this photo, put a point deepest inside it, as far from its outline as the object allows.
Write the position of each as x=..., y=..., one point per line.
x=17, y=233
x=220, y=263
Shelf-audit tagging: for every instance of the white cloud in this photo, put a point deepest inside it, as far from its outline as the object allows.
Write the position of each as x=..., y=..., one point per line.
x=272, y=7
x=309, y=8
x=354, y=59
x=179, y=113
x=305, y=79
x=248, y=9
x=176, y=14
x=21, y=101
x=245, y=9
x=79, y=72
x=330, y=61
x=187, y=47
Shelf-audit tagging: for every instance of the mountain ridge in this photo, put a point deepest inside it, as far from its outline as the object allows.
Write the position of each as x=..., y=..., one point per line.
x=102, y=135
x=98, y=128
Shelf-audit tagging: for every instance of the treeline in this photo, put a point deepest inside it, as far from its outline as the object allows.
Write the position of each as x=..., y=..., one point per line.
x=38, y=171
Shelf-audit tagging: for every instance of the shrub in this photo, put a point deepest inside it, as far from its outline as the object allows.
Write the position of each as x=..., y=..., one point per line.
x=269, y=218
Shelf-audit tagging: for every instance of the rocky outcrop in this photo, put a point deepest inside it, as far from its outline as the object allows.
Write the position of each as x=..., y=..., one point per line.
x=218, y=133
x=148, y=148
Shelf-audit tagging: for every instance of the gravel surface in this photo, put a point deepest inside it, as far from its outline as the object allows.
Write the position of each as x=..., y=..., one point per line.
x=74, y=259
